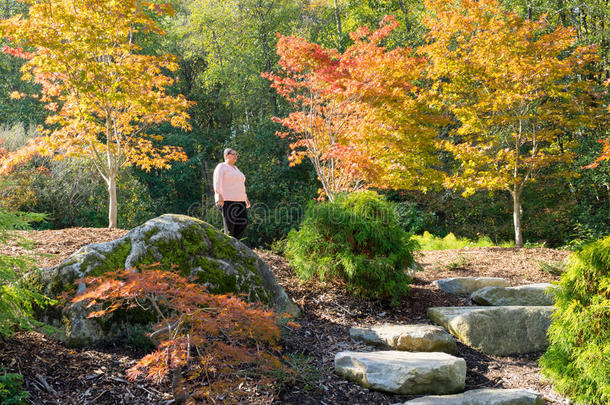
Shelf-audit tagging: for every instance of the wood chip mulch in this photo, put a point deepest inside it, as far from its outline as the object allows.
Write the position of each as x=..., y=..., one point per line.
x=55, y=374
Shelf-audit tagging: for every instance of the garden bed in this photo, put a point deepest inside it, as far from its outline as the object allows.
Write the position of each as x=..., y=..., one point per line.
x=56, y=374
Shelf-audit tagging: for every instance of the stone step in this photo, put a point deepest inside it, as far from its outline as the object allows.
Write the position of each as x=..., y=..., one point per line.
x=415, y=373
x=468, y=285
x=500, y=331
x=412, y=338
x=484, y=396
x=531, y=294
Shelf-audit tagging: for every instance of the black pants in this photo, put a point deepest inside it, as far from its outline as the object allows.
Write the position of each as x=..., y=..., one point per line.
x=234, y=218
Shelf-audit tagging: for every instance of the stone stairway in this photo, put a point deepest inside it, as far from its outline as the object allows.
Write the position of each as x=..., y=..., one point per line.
x=419, y=359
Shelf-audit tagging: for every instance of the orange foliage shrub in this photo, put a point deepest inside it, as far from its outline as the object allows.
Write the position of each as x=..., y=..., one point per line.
x=203, y=340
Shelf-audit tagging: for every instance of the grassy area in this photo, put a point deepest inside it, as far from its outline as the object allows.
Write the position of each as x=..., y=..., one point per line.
x=427, y=241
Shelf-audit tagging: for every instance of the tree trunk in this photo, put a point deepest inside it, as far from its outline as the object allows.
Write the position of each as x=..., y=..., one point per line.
x=112, y=202
x=338, y=22
x=517, y=218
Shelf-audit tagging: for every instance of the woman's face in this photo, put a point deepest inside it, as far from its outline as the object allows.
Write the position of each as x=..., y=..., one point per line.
x=232, y=157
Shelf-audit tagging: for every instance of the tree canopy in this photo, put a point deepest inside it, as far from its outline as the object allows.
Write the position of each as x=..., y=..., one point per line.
x=101, y=92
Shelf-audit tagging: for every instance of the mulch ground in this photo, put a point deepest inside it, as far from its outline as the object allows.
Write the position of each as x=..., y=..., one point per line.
x=55, y=374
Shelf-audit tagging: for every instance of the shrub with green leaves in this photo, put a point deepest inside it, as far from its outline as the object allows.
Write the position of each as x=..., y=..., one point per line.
x=16, y=299
x=11, y=391
x=356, y=238
x=578, y=358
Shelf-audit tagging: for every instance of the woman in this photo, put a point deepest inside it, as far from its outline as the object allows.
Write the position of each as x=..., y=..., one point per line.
x=230, y=195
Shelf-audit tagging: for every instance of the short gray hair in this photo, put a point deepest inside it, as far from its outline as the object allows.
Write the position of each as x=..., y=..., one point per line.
x=228, y=151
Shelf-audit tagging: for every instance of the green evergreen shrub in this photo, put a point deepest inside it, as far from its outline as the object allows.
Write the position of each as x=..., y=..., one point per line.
x=16, y=298
x=11, y=391
x=356, y=238
x=578, y=358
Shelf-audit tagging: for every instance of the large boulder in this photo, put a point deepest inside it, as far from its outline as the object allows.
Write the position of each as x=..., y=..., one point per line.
x=468, y=285
x=500, y=331
x=404, y=372
x=179, y=243
x=412, y=338
x=530, y=294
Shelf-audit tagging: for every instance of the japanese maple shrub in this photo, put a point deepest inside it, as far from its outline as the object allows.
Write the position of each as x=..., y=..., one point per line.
x=356, y=238
x=578, y=358
x=203, y=340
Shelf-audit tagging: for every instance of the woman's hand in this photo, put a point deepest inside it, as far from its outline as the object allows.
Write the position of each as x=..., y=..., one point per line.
x=221, y=201
x=248, y=205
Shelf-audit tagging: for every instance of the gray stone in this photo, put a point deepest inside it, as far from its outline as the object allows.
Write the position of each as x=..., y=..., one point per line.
x=532, y=294
x=498, y=331
x=468, y=285
x=179, y=243
x=399, y=372
x=484, y=396
x=413, y=338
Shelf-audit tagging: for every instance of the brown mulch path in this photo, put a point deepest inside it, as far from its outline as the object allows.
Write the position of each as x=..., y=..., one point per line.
x=55, y=374
x=54, y=246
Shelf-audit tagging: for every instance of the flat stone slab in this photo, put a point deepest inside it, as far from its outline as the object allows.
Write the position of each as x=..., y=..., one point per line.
x=500, y=331
x=412, y=338
x=468, y=285
x=532, y=294
x=485, y=396
x=415, y=373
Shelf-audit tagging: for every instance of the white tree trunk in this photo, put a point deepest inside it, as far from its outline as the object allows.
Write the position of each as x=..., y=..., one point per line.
x=517, y=218
x=112, y=202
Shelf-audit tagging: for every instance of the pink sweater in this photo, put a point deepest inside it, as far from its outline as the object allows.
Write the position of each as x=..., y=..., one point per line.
x=229, y=183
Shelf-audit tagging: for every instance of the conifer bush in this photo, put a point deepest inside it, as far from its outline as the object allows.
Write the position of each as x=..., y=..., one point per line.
x=356, y=238
x=11, y=389
x=578, y=358
x=16, y=298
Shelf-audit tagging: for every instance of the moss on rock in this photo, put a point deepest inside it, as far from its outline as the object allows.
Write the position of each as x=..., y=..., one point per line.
x=113, y=260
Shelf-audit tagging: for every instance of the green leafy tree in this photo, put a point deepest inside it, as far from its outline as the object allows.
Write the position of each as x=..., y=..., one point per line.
x=329, y=22
x=236, y=40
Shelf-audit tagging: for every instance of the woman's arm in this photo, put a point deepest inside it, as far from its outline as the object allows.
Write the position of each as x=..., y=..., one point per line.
x=218, y=178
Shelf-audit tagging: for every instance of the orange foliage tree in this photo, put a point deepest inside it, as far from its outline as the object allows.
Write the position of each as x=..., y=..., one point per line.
x=358, y=116
x=318, y=124
x=202, y=339
x=103, y=95
x=510, y=83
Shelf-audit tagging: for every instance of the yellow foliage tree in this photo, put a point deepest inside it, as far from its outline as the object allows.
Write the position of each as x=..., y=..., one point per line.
x=102, y=93
x=510, y=84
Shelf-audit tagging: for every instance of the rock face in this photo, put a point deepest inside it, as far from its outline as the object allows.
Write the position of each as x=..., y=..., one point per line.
x=532, y=294
x=485, y=396
x=412, y=338
x=498, y=331
x=468, y=285
x=195, y=248
x=404, y=372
